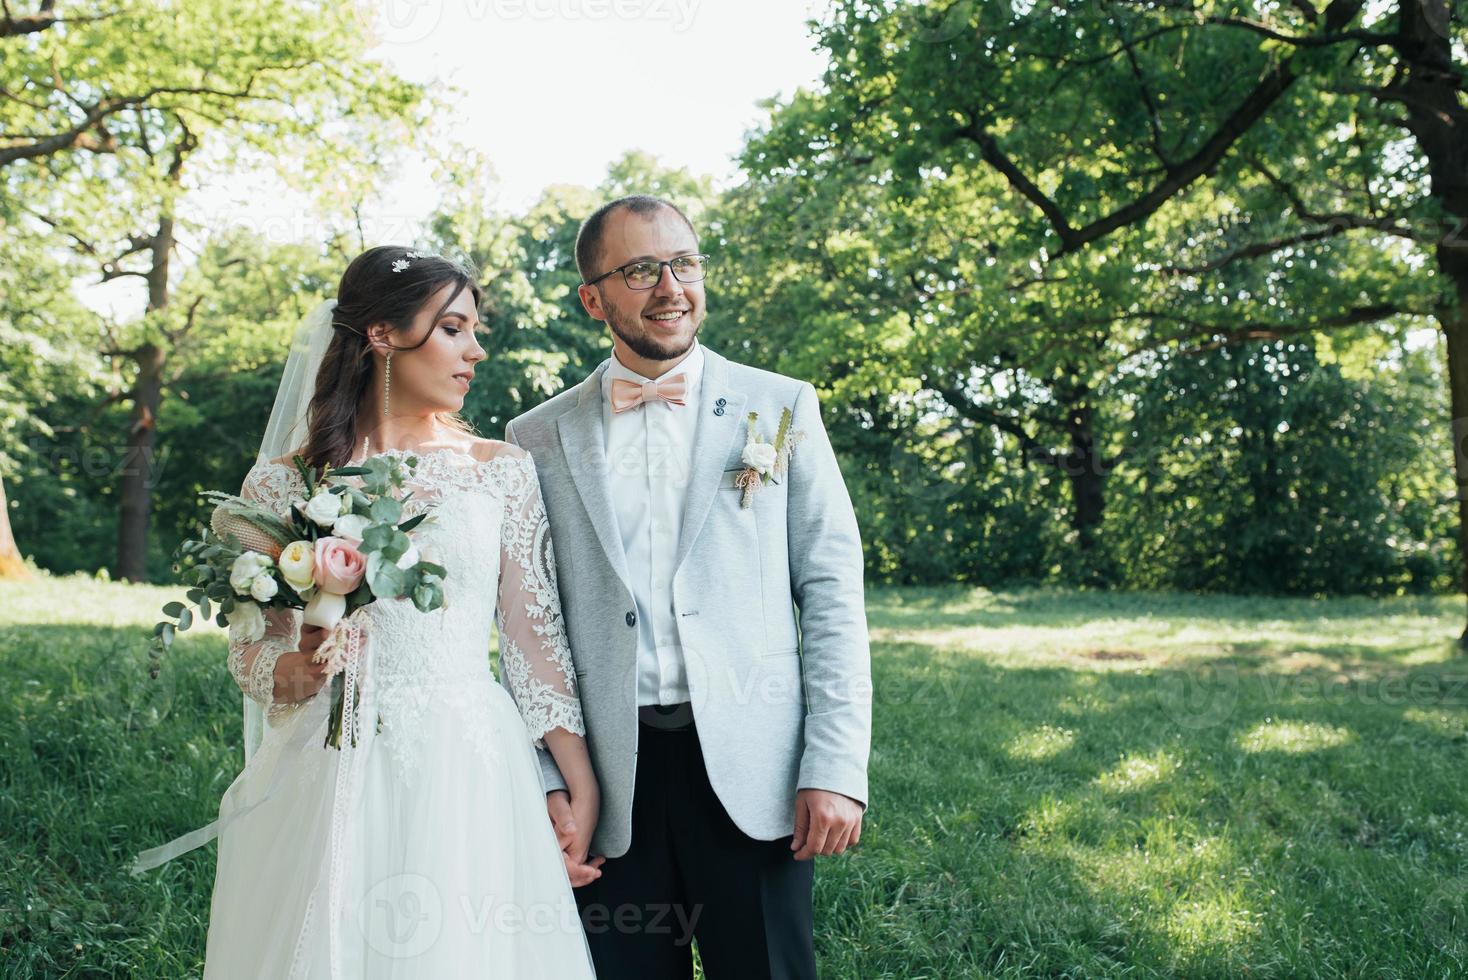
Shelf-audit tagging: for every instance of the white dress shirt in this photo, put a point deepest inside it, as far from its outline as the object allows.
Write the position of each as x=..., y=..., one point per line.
x=649, y=456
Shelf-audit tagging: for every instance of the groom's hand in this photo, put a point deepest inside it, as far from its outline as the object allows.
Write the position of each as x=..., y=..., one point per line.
x=825, y=823
x=580, y=870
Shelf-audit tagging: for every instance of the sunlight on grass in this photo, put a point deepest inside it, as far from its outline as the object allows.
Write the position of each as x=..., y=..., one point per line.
x=1220, y=921
x=1448, y=725
x=1294, y=737
x=81, y=600
x=1133, y=631
x=1137, y=772
x=1042, y=743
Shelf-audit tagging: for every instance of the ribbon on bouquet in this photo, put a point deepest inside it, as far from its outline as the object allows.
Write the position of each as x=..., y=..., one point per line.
x=352, y=640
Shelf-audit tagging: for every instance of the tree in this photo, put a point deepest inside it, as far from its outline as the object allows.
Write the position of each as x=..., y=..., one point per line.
x=160, y=94
x=1118, y=178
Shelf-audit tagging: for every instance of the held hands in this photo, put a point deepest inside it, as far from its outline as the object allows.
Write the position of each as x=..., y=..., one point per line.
x=825, y=823
x=574, y=819
x=296, y=676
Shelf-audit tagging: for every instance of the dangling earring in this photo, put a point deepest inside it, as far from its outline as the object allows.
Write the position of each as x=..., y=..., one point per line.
x=386, y=381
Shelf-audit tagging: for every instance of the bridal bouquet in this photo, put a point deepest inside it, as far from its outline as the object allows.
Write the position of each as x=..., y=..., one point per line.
x=338, y=549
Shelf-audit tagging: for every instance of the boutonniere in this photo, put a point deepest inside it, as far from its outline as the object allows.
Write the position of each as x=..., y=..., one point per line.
x=765, y=461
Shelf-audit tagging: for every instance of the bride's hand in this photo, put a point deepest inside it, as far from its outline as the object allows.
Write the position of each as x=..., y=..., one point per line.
x=574, y=846
x=297, y=677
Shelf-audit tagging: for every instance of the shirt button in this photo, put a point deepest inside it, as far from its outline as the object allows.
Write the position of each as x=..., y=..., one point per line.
x=632, y=618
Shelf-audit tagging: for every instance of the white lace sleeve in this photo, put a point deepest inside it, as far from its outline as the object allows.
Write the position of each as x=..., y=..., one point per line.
x=253, y=664
x=535, y=659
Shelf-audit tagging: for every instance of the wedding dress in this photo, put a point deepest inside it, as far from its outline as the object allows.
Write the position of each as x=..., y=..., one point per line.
x=425, y=850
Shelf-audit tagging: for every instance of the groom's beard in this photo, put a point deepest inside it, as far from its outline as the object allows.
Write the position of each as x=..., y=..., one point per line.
x=628, y=327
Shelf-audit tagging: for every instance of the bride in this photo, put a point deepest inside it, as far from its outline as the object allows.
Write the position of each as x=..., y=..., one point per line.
x=424, y=850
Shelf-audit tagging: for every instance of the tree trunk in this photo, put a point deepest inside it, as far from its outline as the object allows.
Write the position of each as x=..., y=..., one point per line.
x=137, y=467
x=136, y=493
x=1455, y=329
x=12, y=566
x=1428, y=93
x=1083, y=466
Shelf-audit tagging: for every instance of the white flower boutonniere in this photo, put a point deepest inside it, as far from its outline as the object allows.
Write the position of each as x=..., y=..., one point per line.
x=765, y=461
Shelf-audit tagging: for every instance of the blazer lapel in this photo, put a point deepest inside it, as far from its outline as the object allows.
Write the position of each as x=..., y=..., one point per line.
x=583, y=438
x=720, y=422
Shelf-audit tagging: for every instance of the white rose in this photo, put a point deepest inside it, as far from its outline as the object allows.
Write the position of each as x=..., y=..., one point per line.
x=760, y=455
x=324, y=508
x=264, y=587
x=298, y=564
x=410, y=557
x=246, y=623
x=351, y=526
x=242, y=573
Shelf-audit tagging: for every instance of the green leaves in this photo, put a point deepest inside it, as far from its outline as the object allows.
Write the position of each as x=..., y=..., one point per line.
x=386, y=578
x=386, y=510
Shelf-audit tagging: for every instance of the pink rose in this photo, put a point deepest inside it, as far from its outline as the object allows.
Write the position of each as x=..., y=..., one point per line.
x=339, y=565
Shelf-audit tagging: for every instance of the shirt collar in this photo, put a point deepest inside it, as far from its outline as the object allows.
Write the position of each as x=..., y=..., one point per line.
x=691, y=365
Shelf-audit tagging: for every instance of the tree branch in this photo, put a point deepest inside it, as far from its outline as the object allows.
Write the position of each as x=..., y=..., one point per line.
x=1384, y=223
x=1256, y=104
x=1306, y=40
x=1226, y=336
x=1252, y=251
x=964, y=406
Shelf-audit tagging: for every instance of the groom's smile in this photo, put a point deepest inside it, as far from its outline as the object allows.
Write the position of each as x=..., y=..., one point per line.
x=653, y=321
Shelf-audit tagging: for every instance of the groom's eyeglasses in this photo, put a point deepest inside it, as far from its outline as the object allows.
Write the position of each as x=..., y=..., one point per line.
x=645, y=275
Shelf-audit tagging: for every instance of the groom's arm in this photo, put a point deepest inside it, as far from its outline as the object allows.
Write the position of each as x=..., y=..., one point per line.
x=549, y=771
x=826, y=569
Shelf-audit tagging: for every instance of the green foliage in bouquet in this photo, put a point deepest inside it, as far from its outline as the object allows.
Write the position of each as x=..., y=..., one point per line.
x=238, y=527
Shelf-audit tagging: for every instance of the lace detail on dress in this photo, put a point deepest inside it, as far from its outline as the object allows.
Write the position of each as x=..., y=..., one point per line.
x=256, y=676
x=534, y=655
x=253, y=664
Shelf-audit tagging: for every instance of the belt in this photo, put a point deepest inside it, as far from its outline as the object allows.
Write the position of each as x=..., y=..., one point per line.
x=667, y=717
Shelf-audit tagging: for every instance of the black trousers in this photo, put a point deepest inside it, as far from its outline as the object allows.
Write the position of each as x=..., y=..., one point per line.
x=692, y=874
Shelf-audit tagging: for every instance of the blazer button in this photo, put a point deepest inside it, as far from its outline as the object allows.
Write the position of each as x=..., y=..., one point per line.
x=632, y=619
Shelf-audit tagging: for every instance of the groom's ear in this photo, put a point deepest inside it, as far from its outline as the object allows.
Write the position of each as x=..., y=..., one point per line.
x=591, y=302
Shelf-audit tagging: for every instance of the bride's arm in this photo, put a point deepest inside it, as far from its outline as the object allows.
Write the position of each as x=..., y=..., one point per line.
x=535, y=659
x=275, y=669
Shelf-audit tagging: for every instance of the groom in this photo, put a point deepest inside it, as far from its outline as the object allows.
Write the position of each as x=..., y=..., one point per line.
x=730, y=744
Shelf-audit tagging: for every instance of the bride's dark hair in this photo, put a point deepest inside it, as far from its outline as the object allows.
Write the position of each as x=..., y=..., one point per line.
x=387, y=284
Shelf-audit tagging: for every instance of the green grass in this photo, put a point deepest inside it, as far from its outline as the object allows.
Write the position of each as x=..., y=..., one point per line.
x=1063, y=785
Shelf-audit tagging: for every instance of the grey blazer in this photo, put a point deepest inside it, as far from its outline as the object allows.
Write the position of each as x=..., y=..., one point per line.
x=778, y=707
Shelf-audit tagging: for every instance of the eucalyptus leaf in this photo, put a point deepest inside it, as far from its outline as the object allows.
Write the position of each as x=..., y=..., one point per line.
x=386, y=510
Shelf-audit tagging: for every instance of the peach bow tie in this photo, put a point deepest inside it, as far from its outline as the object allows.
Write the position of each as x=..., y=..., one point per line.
x=629, y=394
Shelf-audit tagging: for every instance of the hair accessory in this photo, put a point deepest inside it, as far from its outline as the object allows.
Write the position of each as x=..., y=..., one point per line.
x=400, y=264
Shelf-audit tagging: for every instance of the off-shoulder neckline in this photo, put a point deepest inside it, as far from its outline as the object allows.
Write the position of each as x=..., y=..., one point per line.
x=439, y=451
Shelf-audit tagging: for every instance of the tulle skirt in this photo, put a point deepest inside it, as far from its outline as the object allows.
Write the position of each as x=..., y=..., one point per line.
x=448, y=870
